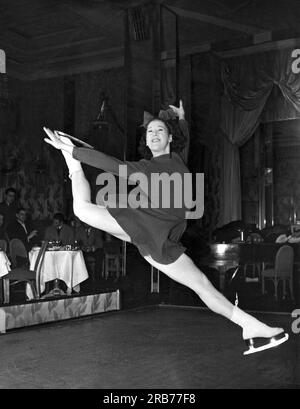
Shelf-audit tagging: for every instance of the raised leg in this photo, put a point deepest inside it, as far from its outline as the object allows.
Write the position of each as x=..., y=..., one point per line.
x=90, y=213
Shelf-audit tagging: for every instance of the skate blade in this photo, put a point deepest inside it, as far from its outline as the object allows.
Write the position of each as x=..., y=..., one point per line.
x=86, y=145
x=273, y=342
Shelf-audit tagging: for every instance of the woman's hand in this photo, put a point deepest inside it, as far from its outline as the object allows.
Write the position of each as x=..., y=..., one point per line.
x=58, y=141
x=179, y=111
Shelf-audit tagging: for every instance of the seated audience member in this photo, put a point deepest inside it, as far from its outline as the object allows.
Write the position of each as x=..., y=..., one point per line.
x=90, y=240
x=20, y=229
x=59, y=231
x=8, y=208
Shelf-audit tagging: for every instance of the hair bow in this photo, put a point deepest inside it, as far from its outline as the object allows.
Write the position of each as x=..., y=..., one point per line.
x=165, y=115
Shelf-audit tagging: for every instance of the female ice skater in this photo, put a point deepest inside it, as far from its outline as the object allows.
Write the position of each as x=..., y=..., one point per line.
x=156, y=231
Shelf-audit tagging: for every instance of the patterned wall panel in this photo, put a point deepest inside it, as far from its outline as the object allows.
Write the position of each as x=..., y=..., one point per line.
x=35, y=169
x=27, y=164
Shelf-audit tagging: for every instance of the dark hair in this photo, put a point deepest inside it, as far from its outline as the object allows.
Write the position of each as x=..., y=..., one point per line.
x=20, y=209
x=178, y=139
x=58, y=216
x=10, y=190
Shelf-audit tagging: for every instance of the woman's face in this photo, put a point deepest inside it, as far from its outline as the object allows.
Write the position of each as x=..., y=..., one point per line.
x=158, y=138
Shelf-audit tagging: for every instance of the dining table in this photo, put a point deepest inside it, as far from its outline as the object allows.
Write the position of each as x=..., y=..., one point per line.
x=61, y=264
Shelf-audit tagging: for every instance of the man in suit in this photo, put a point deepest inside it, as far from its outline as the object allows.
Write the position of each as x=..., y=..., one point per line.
x=59, y=231
x=8, y=207
x=89, y=238
x=19, y=229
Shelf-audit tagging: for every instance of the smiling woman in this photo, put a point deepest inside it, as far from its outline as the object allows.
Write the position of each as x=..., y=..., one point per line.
x=158, y=137
x=178, y=134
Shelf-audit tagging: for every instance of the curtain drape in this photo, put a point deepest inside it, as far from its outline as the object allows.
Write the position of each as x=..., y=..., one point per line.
x=248, y=83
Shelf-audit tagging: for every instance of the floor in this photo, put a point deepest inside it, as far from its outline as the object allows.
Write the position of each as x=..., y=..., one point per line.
x=148, y=347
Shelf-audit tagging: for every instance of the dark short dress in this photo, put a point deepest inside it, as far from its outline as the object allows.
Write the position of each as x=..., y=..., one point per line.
x=155, y=230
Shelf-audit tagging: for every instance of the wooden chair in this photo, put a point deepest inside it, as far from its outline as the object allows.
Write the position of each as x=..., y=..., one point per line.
x=90, y=264
x=282, y=271
x=30, y=277
x=112, y=259
x=3, y=245
x=18, y=254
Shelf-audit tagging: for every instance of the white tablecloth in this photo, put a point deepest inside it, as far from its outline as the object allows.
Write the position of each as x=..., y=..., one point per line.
x=4, y=270
x=4, y=264
x=68, y=266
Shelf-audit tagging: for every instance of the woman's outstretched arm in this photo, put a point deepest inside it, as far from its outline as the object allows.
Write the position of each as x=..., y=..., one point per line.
x=105, y=162
x=183, y=125
x=92, y=157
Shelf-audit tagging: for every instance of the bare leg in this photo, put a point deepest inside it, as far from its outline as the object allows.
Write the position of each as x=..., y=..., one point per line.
x=84, y=209
x=185, y=272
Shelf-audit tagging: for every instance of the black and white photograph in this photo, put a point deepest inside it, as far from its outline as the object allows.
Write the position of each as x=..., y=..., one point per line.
x=149, y=197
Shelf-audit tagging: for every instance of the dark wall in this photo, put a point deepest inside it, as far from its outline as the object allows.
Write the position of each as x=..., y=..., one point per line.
x=26, y=163
x=35, y=169
x=206, y=141
x=90, y=91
